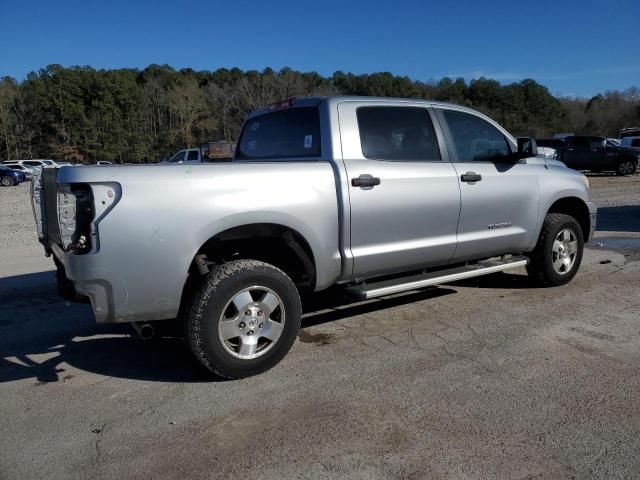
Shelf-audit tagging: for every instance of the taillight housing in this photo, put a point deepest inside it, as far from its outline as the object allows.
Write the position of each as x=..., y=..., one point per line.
x=75, y=214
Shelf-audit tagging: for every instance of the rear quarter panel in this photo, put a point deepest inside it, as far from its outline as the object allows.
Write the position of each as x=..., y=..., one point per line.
x=167, y=212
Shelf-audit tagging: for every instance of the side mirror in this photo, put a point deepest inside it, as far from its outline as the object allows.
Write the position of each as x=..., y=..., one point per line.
x=527, y=147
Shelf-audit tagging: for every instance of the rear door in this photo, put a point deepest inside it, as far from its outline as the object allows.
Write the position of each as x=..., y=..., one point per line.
x=404, y=195
x=500, y=197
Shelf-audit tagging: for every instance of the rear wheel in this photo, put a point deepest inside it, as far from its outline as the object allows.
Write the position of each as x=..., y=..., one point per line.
x=244, y=318
x=626, y=167
x=7, y=181
x=558, y=253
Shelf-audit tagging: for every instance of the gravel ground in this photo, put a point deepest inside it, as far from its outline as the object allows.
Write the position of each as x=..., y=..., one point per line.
x=487, y=378
x=611, y=191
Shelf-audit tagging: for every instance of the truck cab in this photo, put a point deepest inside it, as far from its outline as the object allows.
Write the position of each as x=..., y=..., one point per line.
x=187, y=155
x=598, y=154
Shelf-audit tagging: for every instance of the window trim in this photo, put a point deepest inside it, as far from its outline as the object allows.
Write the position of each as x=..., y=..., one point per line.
x=434, y=124
x=450, y=143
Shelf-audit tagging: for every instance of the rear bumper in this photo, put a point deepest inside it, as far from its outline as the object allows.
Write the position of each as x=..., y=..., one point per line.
x=77, y=270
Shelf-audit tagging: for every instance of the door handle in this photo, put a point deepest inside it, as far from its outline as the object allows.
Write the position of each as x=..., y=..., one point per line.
x=471, y=177
x=365, y=180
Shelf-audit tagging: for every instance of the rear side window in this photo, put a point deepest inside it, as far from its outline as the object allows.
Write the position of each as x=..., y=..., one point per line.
x=193, y=155
x=290, y=133
x=397, y=133
x=475, y=139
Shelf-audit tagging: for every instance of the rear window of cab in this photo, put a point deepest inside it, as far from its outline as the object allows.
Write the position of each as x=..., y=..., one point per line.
x=288, y=133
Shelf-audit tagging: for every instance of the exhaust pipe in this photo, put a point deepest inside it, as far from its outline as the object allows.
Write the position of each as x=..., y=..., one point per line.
x=144, y=330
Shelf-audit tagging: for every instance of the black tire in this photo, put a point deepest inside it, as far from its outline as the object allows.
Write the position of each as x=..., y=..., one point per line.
x=626, y=167
x=541, y=266
x=211, y=302
x=7, y=181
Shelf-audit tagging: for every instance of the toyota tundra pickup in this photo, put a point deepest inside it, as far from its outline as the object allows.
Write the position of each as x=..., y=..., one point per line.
x=371, y=195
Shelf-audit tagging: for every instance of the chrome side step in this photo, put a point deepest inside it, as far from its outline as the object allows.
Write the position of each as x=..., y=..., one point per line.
x=365, y=291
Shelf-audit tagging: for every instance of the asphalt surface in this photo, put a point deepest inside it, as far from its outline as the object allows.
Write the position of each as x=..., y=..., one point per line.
x=487, y=378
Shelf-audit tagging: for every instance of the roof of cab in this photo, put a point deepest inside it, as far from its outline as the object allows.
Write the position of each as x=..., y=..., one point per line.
x=315, y=101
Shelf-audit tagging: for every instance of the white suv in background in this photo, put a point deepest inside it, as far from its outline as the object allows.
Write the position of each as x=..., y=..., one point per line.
x=32, y=163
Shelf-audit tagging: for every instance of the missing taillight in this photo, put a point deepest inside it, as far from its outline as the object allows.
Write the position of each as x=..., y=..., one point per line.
x=75, y=214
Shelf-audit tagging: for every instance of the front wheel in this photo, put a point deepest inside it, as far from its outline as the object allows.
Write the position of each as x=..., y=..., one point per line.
x=244, y=318
x=558, y=253
x=626, y=167
x=7, y=181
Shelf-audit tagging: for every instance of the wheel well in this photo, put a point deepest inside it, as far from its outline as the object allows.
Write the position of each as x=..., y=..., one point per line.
x=577, y=209
x=631, y=158
x=278, y=245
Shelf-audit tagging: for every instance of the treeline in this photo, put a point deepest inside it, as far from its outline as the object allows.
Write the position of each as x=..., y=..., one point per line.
x=131, y=115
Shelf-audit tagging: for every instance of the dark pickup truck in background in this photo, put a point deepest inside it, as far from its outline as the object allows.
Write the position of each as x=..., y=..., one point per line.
x=596, y=154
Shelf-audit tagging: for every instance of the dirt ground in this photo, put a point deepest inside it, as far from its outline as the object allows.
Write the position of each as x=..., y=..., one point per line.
x=486, y=378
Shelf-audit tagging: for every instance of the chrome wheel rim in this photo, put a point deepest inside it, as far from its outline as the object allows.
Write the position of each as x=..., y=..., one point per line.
x=564, y=251
x=626, y=168
x=251, y=322
x=7, y=182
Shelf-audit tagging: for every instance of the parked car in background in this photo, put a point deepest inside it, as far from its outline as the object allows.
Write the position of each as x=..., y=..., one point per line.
x=32, y=163
x=632, y=143
x=187, y=155
x=103, y=162
x=555, y=143
x=208, y=152
x=28, y=171
x=9, y=177
x=547, y=152
x=630, y=132
x=597, y=154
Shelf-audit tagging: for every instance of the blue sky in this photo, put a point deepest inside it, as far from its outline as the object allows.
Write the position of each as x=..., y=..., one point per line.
x=573, y=47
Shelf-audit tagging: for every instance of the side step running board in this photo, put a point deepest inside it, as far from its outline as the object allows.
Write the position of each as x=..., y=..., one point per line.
x=365, y=291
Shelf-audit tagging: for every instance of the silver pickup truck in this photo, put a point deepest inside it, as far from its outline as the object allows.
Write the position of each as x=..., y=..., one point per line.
x=372, y=195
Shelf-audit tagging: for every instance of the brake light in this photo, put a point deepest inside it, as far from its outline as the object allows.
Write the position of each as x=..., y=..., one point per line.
x=288, y=103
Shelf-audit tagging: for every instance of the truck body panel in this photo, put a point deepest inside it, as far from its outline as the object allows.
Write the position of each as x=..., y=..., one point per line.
x=375, y=200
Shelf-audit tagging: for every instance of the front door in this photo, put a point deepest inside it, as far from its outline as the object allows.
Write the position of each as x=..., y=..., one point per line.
x=405, y=200
x=577, y=153
x=598, y=154
x=500, y=198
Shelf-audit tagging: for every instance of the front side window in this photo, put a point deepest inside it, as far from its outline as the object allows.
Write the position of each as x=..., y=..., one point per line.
x=397, y=133
x=193, y=155
x=178, y=157
x=289, y=133
x=475, y=139
x=32, y=164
